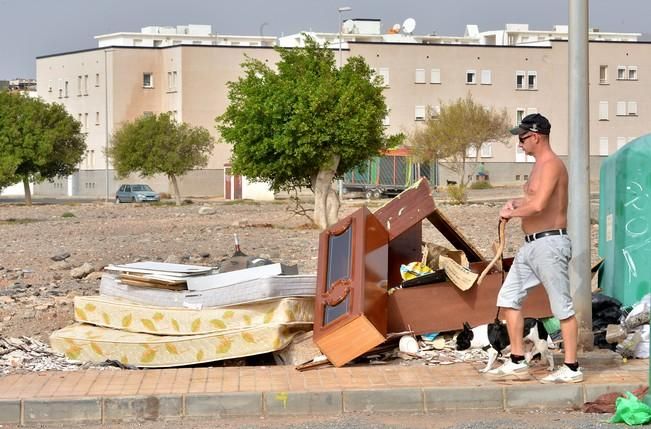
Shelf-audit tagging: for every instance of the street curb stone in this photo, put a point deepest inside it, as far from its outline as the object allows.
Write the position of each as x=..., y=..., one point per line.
x=384, y=400
x=302, y=403
x=593, y=391
x=460, y=398
x=9, y=412
x=531, y=396
x=138, y=408
x=78, y=410
x=224, y=404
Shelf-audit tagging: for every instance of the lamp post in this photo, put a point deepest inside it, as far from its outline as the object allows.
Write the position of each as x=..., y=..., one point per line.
x=340, y=10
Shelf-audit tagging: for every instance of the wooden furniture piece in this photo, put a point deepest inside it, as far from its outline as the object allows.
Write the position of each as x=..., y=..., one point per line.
x=351, y=299
x=359, y=261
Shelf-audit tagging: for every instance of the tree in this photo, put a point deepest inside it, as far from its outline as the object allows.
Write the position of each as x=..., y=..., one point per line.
x=462, y=126
x=305, y=123
x=38, y=141
x=157, y=144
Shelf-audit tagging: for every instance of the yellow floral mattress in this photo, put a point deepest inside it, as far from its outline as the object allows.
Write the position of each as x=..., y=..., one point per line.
x=130, y=316
x=88, y=343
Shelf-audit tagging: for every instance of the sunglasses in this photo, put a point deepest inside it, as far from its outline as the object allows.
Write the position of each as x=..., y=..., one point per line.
x=524, y=138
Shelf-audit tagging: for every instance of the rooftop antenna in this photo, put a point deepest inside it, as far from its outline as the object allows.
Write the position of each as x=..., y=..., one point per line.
x=409, y=25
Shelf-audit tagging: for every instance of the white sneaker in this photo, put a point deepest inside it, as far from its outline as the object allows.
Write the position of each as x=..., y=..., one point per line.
x=564, y=375
x=510, y=370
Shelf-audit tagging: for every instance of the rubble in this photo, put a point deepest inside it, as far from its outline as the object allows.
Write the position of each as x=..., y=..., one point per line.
x=26, y=354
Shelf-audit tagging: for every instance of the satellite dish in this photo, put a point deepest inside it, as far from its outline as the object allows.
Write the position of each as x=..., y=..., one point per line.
x=409, y=25
x=348, y=26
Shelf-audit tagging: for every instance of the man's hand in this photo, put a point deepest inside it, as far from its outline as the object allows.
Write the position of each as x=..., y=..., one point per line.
x=507, y=210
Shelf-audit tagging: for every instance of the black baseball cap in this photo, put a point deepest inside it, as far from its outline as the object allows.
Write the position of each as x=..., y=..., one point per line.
x=535, y=122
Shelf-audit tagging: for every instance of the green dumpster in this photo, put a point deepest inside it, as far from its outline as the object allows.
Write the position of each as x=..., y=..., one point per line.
x=625, y=222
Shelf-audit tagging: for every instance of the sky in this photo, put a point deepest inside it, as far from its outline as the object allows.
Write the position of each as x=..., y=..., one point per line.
x=32, y=28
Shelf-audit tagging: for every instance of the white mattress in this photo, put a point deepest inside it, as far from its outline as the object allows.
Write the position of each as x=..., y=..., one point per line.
x=232, y=294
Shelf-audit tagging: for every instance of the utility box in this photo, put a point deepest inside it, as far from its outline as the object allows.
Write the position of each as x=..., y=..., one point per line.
x=625, y=222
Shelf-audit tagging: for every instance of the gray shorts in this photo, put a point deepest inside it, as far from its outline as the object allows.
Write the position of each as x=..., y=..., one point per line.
x=545, y=261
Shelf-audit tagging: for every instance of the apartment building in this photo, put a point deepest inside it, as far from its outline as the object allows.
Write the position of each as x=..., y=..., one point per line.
x=185, y=70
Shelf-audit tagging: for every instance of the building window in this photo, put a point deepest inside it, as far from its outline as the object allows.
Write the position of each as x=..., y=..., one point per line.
x=532, y=80
x=603, y=110
x=531, y=110
x=632, y=108
x=519, y=114
x=471, y=77
x=383, y=72
x=147, y=113
x=157, y=43
x=85, y=84
x=627, y=108
x=434, y=111
x=86, y=122
x=435, y=76
x=603, y=146
x=419, y=113
x=49, y=86
x=486, y=77
x=519, y=79
x=65, y=89
x=148, y=80
x=621, y=141
x=96, y=118
x=621, y=108
x=486, y=150
x=419, y=76
x=171, y=81
x=385, y=121
x=603, y=75
x=632, y=72
x=621, y=72
x=96, y=79
x=79, y=86
x=471, y=152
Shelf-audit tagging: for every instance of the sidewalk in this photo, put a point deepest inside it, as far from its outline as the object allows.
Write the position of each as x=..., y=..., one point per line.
x=120, y=395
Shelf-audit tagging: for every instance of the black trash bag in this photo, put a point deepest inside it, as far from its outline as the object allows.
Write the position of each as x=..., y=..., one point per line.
x=605, y=311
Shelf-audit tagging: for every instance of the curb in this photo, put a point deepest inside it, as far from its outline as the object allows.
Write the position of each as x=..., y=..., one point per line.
x=111, y=409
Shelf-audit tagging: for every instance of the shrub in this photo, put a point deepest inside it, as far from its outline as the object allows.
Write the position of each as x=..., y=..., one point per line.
x=481, y=185
x=68, y=214
x=457, y=194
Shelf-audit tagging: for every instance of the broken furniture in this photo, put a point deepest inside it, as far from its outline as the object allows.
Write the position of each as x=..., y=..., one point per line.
x=359, y=261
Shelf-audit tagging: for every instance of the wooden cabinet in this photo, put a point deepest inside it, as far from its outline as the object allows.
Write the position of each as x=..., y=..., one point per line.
x=351, y=301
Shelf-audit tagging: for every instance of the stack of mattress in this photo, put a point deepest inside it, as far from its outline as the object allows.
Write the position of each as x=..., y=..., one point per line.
x=155, y=327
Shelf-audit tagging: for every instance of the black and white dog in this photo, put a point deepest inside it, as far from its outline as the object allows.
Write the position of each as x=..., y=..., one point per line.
x=494, y=338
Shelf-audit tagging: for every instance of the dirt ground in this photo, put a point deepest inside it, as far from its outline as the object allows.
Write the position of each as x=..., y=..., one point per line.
x=36, y=292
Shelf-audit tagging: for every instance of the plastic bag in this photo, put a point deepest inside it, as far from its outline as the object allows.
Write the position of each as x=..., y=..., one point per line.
x=631, y=411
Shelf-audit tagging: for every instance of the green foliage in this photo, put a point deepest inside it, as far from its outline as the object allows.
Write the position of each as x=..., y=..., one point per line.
x=484, y=184
x=457, y=194
x=68, y=214
x=287, y=123
x=157, y=144
x=38, y=141
x=461, y=125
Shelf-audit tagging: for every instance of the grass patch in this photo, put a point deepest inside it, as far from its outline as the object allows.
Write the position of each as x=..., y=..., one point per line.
x=68, y=214
x=242, y=202
x=14, y=221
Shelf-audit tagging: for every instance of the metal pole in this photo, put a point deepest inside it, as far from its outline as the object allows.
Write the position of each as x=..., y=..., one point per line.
x=341, y=63
x=106, y=128
x=579, y=170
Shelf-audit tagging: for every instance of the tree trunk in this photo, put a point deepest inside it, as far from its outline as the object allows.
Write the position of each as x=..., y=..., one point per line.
x=175, y=185
x=28, y=193
x=326, y=202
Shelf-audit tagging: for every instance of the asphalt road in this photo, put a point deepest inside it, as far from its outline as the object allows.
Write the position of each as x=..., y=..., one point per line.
x=484, y=419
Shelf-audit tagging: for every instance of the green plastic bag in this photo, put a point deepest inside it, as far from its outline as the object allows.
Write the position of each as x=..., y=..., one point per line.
x=631, y=411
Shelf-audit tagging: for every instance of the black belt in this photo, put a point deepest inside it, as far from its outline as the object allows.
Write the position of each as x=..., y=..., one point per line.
x=531, y=237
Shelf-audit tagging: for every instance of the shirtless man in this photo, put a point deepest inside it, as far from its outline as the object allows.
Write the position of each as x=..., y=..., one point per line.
x=544, y=257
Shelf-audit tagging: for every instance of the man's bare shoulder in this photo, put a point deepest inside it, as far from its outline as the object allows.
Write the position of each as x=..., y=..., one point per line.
x=553, y=164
